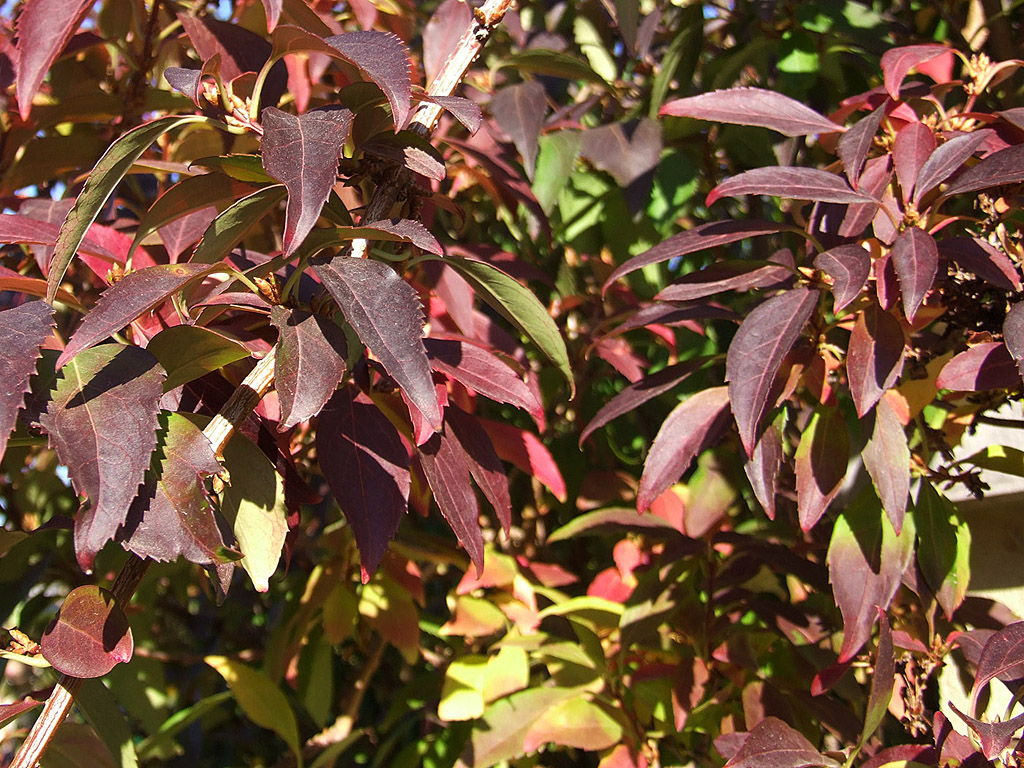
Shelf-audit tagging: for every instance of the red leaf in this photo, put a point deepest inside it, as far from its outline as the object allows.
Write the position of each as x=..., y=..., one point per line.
x=794, y=183
x=485, y=466
x=756, y=352
x=946, y=159
x=849, y=266
x=302, y=152
x=135, y=294
x=1003, y=167
x=1013, y=334
x=103, y=420
x=984, y=366
x=897, y=62
x=367, y=467
x=1002, y=658
x=700, y=238
x=310, y=363
x=9, y=712
x=914, y=143
x=520, y=110
x=821, y=460
x=994, y=738
x=89, y=636
x=725, y=276
x=983, y=259
x=15, y=228
x=44, y=28
x=273, y=11
x=525, y=450
x=874, y=182
x=875, y=357
x=407, y=149
x=887, y=459
x=384, y=310
x=916, y=259
x=384, y=59
x=692, y=426
x=753, y=106
x=23, y=330
x=773, y=744
x=854, y=145
x=762, y=468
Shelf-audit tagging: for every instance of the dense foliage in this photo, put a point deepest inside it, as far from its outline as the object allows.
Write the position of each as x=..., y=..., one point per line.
x=702, y=301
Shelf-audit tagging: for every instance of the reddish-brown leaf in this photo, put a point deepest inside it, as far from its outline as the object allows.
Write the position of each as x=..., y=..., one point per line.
x=273, y=11
x=1003, y=167
x=485, y=466
x=994, y=738
x=983, y=259
x=946, y=159
x=525, y=450
x=883, y=679
x=384, y=59
x=520, y=111
x=773, y=744
x=16, y=228
x=23, y=330
x=756, y=353
x=913, y=145
x=625, y=156
x=873, y=181
x=854, y=145
x=1013, y=334
x=442, y=32
x=725, y=276
x=9, y=712
x=820, y=460
x=916, y=259
x=875, y=357
x=887, y=459
x=849, y=267
x=44, y=27
x=753, y=106
x=310, y=363
x=897, y=62
x=762, y=468
x=1002, y=658
x=794, y=183
x=988, y=365
x=89, y=636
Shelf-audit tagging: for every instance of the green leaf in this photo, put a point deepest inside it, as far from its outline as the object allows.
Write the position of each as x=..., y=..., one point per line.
x=462, y=695
x=76, y=745
x=519, y=306
x=614, y=520
x=506, y=723
x=943, y=547
x=104, y=714
x=544, y=61
x=227, y=230
x=998, y=458
x=507, y=671
x=162, y=742
x=555, y=163
x=109, y=170
x=188, y=352
x=260, y=700
x=576, y=722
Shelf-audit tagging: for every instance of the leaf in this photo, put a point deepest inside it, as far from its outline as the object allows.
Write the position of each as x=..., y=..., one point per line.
x=945, y=160
x=916, y=259
x=545, y=61
x=725, y=276
x=701, y=237
x=500, y=733
x=441, y=34
x=886, y=456
x=627, y=157
x=188, y=352
x=462, y=695
x=984, y=366
x=756, y=352
x=302, y=152
x=462, y=109
x=102, y=419
x=820, y=460
x=519, y=306
x=793, y=183
x=762, y=468
x=866, y=561
x=1002, y=658
x=384, y=59
x=849, y=267
x=483, y=372
x=576, y=722
x=1003, y=167
x=131, y=296
x=162, y=740
x=384, y=311
x=230, y=226
x=614, y=521
x=367, y=467
x=854, y=145
x=773, y=744
x=943, y=547
x=983, y=259
x=398, y=230
x=525, y=450
x=109, y=170
x=9, y=712
x=310, y=363
x=883, y=680
x=689, y=428
x=172, y=516
x=89, y=636
x=913, y=144
x=44, y=28
x=18, y=228
x=995, y=737
x=1013, y=334
x=485, y=466
x=272, y=8
x=260, y=699
x=753, y=106
x=23, y=330
x=875, y=358
x=519, y=111
x=897, y=62
x=103, y=712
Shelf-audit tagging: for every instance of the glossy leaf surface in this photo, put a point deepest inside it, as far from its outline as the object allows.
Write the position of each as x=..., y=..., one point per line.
x=773, y=744
x=89, y=636
x=944, y=542
x=897, y=63
x=984, y=366
x=753, y=106
x=309, y=365
x=1003, y=167
x=383, y=58
x=849, y=267
x=44, y=27
x=794, y=183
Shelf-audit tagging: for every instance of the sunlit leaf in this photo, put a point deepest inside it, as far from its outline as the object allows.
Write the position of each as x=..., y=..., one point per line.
x=384, y=59
x=753, y=106
x=913, y=144
x=762, y=468
x=725, y=276
x=944, y=542
x=984, y=366
x=995, y=738
x=228, y=229
x=945, y=160
x=773, y=744
x=44, y=28
x=849, y=266
x=187, y=352
x=883, y=680
x=790, y=182
x=820, y=460
x=309, y=365
x=854, y=145
x=1002, y=658
x=916, y=259
x=886, y=456
x=875, y=357
x=983, y=259
x=576, y=722
x=525, y=450
x=520, y=110
x=897, y=63
x=23, y=330
x=1003, y=167
x=484, y=464
x=89, y=636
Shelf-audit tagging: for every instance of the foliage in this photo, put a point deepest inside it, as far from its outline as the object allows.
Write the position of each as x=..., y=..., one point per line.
x=701, y=300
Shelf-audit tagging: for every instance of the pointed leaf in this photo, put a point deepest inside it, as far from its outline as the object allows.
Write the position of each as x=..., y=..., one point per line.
x=762, y=468
x=272, y=8
x=854, y=145
x=367, y=468
x=383, y=58
x=944, y=542
x=913, y=145
x=18, y=228
x=887, y=459
x=310, y=363
x=302, y=152
x=821, y=460
x=916, y=259
x=875, y=357
x=793, y=183
x=23, y=330
x=9, y=712
x=692, y=426
x=994, y=738
x=410, y=150
x=753, y=106
x=89, y=636
x=483, y=372
x=897, y=62
x=849, y=267
x=188, y=352
x=485, y=466
x=525, y=450
x=984, y=366
x=384, y=310
x=983, y=259
x=883, y=679
x=773, y=744
x=946, y=159
x=725, y=276
x=228, y=229
x=1013, y=334
x=1002, y=658
x=576, y=722
x=133, y=295
x=441, y=34
x=520, y=110
x=398, y=230
x=755, y=354
x=109, y=170
x=102, y=419
x=1003, y=167
x=44, y=28
x=462, y=109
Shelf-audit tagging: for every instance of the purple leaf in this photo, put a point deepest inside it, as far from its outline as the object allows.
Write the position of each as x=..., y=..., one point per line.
x=310, y=363
x=625, y=157
x=172, y=516
x=984, y=366
x=946, y=159
x=135, y=294
x=23, y=330
x=367, y=467
x=384, y=59
x=462, y=109
x=756, y=352
x=702, y=237
x=762, y=468
x=875, y=357
x=520, y=110
x=302, y=151
x=854, y=145
x=887, y=459
x=447, y=468
x=794, y=183
x=820, y=460
x=89, y=636
x=385, y=313
x=1003, y=167
x=442, y=33
x=725, y=276
x=773, y=744
x=483, y=372
x=485, y=466
x=983, y=259
x=639, y=392
x=753, y=106
x=689, y=428
x=1001, y=658
x=849, y=267
x=874, y=182
x=913, y=145
x=994, y=738
x=44, y=28
x=883, y=679
x=102, y=419
x=1013, y=334
x=897, y=62
x=942, y=549
x=397, y=230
